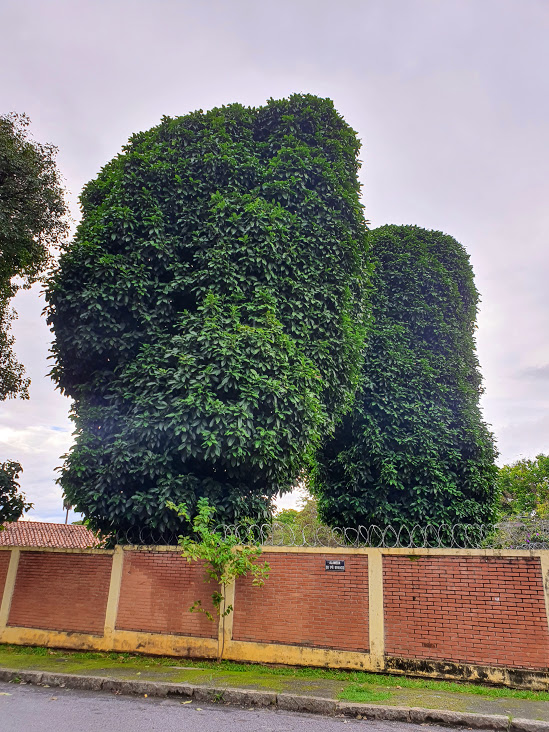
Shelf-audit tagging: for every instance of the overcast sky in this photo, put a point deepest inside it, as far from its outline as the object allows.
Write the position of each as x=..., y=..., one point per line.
x=449, y=97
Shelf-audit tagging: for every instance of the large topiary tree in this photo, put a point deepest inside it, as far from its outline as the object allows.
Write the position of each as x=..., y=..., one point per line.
x=209, y=315
x=415, y=449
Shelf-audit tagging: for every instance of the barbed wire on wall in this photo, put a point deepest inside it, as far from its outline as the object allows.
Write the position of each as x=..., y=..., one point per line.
x=522, y=533
x=505, y=535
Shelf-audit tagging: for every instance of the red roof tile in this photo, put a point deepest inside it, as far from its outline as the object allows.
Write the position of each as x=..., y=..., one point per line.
x=38, y=533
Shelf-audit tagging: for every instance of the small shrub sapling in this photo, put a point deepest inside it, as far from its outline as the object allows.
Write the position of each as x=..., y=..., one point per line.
x=224, y=558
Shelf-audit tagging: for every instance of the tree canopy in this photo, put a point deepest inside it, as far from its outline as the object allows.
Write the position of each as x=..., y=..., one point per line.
x=415, y=449
x=210, y=314
x=32, y=221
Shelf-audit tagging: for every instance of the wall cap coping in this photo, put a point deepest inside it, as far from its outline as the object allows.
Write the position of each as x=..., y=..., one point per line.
x=58, y=550
x=397, y=551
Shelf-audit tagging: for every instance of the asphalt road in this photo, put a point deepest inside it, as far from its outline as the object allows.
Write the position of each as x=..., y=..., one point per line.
x=25, y=708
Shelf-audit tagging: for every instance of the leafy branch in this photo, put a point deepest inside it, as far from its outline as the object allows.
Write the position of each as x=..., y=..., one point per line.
x=224, y=557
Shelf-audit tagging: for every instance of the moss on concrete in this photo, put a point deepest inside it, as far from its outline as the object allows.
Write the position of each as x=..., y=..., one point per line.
x=330, y=683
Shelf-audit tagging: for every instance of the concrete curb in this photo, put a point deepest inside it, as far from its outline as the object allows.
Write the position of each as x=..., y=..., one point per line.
x=286, y=702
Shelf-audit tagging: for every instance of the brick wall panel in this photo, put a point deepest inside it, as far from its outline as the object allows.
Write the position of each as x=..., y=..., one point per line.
x=66, y=592
x=302, y=604
x=4, y=564
x=157, y=591
x=480, y=610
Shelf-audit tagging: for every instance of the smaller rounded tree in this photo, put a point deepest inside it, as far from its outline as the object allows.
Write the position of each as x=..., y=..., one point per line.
x=415, y=449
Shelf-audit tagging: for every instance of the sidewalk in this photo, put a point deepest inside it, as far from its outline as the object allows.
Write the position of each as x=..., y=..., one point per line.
x=359, y=695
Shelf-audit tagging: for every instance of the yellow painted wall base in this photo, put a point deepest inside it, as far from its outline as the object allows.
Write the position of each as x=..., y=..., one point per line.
x=516, y=678
x=121, y=641
x=248, y=652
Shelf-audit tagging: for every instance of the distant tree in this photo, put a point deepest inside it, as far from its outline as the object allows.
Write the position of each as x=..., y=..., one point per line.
x=209, y=316
x=286, y=516
x=32, y=221
x=305, y=515
x=303, y=525
x=12, y=502
x=524, y=488
x=415, y=448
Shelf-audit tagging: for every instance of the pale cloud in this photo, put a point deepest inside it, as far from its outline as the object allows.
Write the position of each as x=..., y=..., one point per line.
x=39, y=440
x=38, y=449
x=536, y=373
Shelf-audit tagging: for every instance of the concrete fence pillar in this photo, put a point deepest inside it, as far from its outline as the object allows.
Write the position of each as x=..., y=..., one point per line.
x=114, y=592
x=376, y=612
x=225, y=628
x=9, y=587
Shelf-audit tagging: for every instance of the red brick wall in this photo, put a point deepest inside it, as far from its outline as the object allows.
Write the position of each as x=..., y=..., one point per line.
x=157, y=591
x=4, y=564
x=480, y=610
x=302, y=604
x=58, y=591
x=463, y=609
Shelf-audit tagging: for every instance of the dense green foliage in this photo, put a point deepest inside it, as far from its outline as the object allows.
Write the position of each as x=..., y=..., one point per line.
x=523, y=488
x=12, y=502
x=209, y=316
x=415, y=449
x=32, y=220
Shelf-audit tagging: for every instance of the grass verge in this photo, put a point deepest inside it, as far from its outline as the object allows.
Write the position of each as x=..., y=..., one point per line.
x=358, y=685
x=361, y=693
